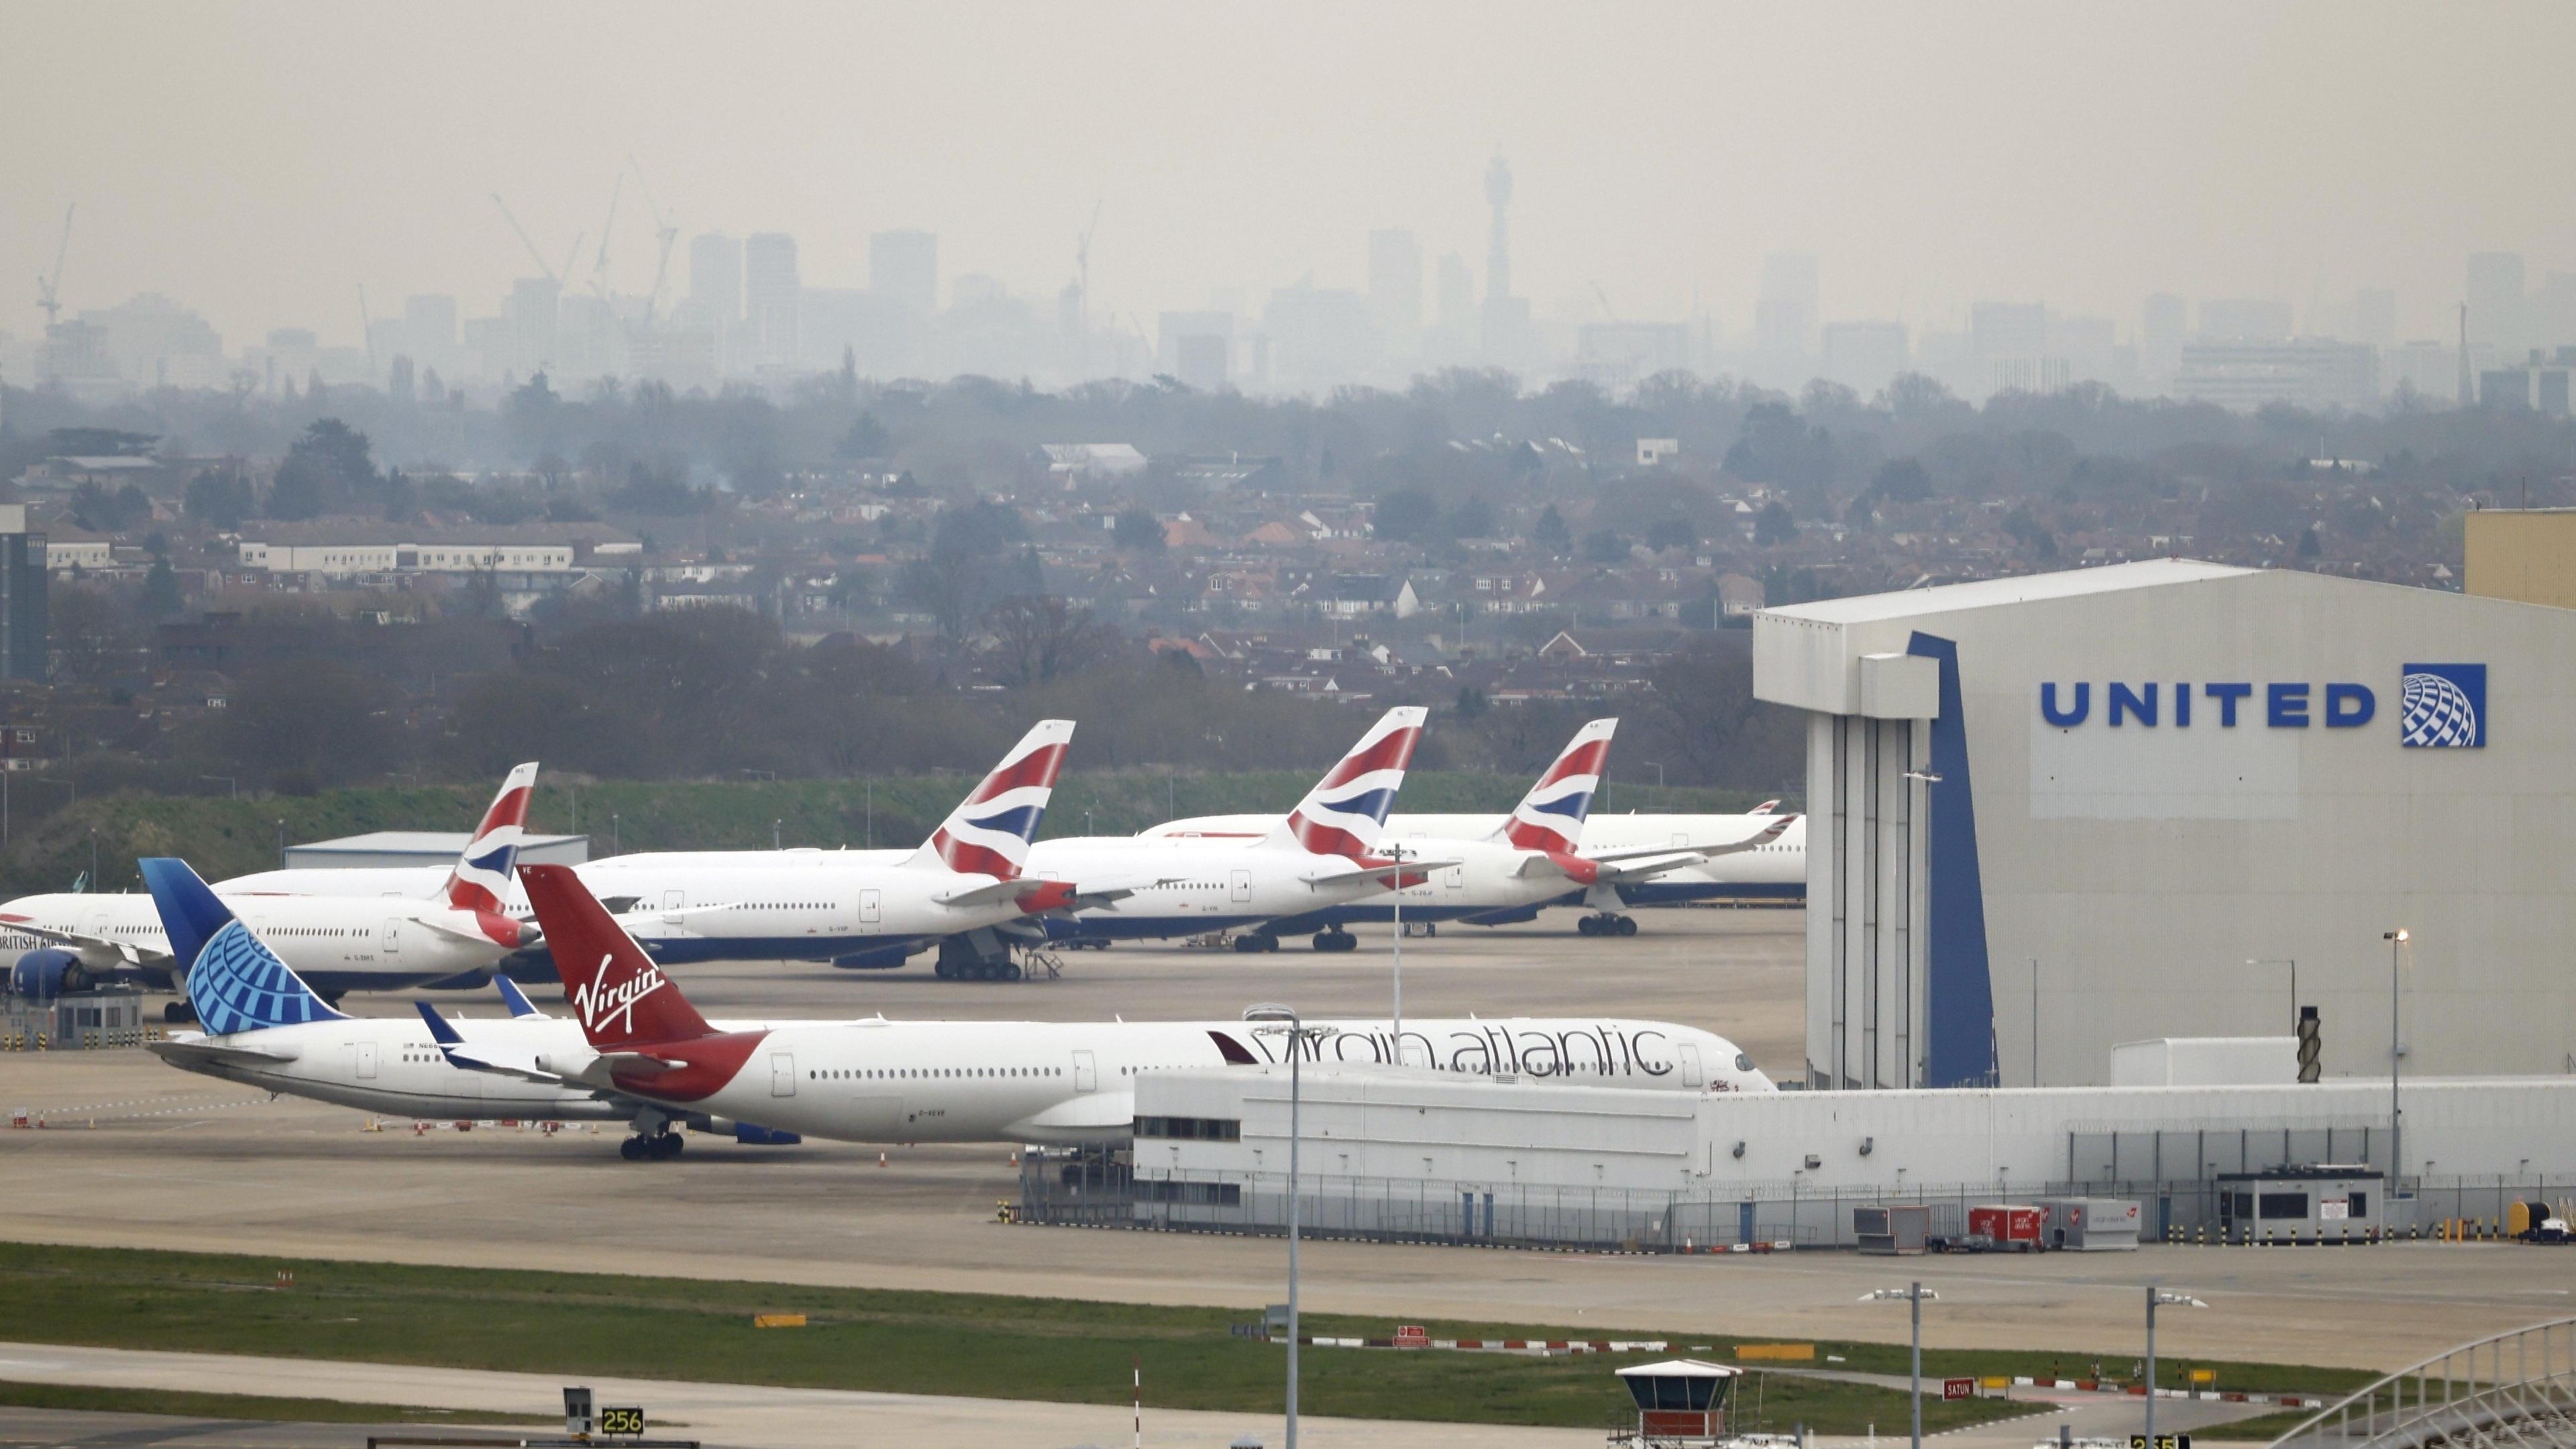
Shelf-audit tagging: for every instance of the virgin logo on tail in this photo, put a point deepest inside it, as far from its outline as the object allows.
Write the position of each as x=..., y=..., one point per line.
x=598, y=1001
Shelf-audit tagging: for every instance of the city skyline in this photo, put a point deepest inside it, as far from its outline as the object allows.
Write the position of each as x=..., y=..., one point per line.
x=2273, y=142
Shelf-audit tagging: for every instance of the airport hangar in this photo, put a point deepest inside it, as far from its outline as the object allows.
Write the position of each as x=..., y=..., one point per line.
x=2055, y=813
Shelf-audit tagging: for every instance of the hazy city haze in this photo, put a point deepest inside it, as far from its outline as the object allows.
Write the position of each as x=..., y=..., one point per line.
x=261, y=163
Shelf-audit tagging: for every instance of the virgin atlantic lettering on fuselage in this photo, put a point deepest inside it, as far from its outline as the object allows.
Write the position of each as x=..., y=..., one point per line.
x=1066, y=1083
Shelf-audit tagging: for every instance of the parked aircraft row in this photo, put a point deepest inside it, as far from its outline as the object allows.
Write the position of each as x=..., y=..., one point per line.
x=979, y=886
x=635, y=1050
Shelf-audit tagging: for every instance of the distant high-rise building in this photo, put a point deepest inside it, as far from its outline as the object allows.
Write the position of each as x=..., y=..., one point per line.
x=715, y=277
x=2374, y=317
x=1784, y=316
x=770, y=290
x=1457, y=311
x=1395, y=291
x=904, y=266
x=2553, y=311
x=1197, y=348
x=429, y=328
x=2495, y=297
x=1865, y=356
x=533, y=312
x=1507, y=340
x=2245, y=319
x=2162, y=326
x=2087, y=344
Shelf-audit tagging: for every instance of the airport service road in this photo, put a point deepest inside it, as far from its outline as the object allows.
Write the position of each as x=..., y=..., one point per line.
x=728, y=1414
x=180, y=1160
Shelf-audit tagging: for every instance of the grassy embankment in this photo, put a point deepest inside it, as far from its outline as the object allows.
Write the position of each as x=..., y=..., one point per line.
x=1057, y=1350
x=222, y=836
x=178, y=1403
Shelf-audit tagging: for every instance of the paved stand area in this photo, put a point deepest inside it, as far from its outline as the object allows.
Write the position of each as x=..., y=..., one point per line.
x=180, y=1160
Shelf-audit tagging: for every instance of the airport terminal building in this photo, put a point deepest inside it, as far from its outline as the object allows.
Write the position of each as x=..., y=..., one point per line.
x=2057, y=813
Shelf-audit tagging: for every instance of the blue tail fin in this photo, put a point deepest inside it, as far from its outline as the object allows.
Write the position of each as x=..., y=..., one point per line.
x=516, y=999
x=236, y=983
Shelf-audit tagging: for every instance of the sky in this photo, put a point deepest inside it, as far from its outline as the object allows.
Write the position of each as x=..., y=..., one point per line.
x=262, y=162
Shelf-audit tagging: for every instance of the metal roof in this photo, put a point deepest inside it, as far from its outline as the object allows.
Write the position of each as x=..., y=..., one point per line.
x=1992, y=593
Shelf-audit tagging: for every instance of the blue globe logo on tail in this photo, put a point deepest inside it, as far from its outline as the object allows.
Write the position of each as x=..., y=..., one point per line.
x=235, y=983
x=2444, y=707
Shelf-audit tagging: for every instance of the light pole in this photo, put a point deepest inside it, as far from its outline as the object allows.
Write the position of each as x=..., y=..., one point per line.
x=2293, y=963
x=281, y=842
x=2396, y=940
x=774, y=826
x=1915, y=1295
x=1659, y=777
x=2159, y=1298
x=1396, y=853
x=1277, y=1018
x=616, y=833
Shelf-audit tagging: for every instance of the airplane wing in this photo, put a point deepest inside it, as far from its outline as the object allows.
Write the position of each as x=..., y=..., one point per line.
x=1342, y=869
x=1053, y=895
x=594, y=1071
x=91, y=947
x=196, y=1050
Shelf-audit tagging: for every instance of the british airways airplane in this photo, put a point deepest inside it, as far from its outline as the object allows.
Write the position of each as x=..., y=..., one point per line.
x=340, y=942
x=1535, y=857
x=1323, y=854
x=635, y=1050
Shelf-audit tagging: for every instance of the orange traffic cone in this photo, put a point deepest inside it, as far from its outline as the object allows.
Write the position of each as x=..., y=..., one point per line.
x=881, y=1159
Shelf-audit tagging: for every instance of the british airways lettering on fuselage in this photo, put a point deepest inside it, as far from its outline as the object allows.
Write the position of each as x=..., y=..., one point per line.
x=2282, y=706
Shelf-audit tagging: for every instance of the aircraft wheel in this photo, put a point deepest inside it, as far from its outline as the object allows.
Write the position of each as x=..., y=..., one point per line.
x=1431, y=928
x=179, y=1011
x=1270, y=943
x=1010, y=971
x=1627, y=925
x=632, y=1149
x=664, y=1147
x=1587, y=927
x=1323, y=940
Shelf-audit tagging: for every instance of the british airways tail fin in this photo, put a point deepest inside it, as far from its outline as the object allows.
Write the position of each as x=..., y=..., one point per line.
x=481, y=879
x=620, y=995
x=990, y=830
x=233, y=980
x=1551, y=815
x=1346, y=811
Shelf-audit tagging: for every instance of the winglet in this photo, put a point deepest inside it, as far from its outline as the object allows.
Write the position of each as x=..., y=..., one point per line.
x=511, y=995
x=439, y=1031
x=233, y=980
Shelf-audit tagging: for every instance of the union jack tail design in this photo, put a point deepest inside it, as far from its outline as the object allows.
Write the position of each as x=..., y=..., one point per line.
x=481, y=878
x=1345, y=813
x=620, y=996
x=989, y=833
x=1550, y=816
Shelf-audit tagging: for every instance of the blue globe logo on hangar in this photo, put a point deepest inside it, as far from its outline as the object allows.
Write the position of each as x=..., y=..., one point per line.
x=2444, y=707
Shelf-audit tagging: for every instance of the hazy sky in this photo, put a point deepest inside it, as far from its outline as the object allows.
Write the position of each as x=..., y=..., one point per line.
x=261, y=162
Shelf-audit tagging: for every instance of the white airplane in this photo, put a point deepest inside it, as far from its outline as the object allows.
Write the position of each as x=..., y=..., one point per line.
x=337, y=943
x=1773, y=869
x=857, y=909
x=1321, y=855
x=1532, y=859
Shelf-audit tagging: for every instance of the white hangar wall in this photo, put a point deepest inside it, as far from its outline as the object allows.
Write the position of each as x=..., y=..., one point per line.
x=2142, y=863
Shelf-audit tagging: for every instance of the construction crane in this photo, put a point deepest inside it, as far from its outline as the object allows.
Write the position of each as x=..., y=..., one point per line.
x=367, y=329
x=1082, y=259
x=1608, y=312
x=599, y=264
x=49, y=289
x=665, y=232
x=524, y=240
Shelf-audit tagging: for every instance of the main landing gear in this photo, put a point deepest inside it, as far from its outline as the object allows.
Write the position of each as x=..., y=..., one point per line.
x=1606, y=924
x=662, y=1146
x=180, y=1012
x=960, y=960
x=1261, y=941
x=1336, y=939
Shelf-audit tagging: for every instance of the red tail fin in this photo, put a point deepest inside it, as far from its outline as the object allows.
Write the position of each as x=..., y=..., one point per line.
x=621, y=997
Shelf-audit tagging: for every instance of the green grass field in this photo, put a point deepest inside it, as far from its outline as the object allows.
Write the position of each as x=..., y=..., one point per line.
x=1056, y=1349
x=179, y=1404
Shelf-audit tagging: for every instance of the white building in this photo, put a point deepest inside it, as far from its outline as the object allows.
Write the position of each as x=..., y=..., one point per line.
x=2052, y=814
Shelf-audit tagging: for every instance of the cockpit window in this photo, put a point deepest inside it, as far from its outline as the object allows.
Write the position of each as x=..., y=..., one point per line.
x=1743, y=1062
